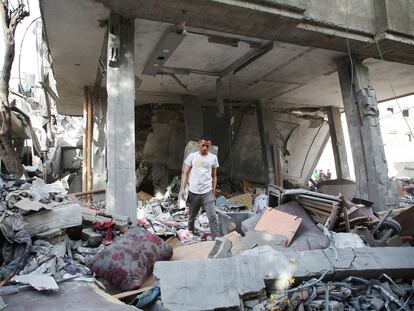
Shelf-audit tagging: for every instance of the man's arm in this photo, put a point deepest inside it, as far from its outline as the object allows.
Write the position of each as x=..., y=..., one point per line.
x=184, y=180
x=214, y=177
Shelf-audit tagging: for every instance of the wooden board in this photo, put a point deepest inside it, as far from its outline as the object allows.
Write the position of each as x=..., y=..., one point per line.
x=279, y=223
x=236, y=240
x=193, y=251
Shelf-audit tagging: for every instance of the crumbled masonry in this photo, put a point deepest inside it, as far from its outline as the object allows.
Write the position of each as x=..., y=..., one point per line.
x=252, y=266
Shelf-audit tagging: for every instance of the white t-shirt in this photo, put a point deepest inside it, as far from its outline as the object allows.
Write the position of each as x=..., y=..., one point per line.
x=200, y=180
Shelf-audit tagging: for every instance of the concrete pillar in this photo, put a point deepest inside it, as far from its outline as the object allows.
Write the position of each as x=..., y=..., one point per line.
x=99, y=140
x=193, y=118
x=338, y=143
x=120, y=86
x=360, y=103
x=265, y=144
x=87, y=142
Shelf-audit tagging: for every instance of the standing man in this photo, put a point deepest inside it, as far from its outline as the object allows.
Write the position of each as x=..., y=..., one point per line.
x=202, y=184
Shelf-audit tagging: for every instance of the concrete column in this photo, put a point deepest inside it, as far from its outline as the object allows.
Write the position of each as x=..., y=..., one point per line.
x=120, y=85
x=338, y=143
x=360, y=103
x=99, y=140
x=193, y=118
x=265, y=144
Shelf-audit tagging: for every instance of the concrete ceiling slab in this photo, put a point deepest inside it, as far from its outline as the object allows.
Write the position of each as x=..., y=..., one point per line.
x=196, y=52
x=290, y=75
x=301, y=70
x=75, y=40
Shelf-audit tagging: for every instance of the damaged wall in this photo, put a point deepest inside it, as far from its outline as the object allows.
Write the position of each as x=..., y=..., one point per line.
x=161, y=142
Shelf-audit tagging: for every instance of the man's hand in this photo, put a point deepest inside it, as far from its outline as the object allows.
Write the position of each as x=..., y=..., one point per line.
x=183, y=197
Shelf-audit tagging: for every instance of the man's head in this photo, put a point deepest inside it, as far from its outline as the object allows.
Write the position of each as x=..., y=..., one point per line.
x=204, y=144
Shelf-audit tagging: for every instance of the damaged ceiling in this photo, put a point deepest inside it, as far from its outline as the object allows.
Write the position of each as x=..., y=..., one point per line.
x=287, y=75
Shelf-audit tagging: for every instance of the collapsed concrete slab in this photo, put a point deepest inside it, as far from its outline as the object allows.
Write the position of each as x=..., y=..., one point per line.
x=208, y=284
x=72, y=295
x=60, y=217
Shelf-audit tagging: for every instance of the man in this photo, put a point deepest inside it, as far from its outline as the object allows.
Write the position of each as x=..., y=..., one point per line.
x=201, y=184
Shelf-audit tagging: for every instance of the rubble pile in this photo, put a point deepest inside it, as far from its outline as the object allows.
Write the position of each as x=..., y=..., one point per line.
x=352, y=293
x=284, y=249
x=35, y=223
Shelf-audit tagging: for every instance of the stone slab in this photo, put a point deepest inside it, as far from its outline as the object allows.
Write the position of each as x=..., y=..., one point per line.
x=70, y=296
x=208, y=284
x=61, y=216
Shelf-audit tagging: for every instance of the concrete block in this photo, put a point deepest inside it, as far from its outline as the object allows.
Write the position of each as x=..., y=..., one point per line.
x=221, y=283
x=93, y=237
x=62, y=216
x=255, y=238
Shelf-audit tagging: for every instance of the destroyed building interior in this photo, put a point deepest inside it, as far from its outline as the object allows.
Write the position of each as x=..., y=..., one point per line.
x=126, y=91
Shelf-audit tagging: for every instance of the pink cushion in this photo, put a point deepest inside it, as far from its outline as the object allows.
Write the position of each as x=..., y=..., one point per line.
x=128, y=261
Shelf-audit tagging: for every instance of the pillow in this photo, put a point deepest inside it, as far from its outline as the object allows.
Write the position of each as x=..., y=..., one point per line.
x=128, y=261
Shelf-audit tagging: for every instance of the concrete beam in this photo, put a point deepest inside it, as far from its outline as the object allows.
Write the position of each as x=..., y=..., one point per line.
x=120, y=85
x=193, y=118
x=360, y=103
x=338, y=143
x=222, y=283
x=99, y=103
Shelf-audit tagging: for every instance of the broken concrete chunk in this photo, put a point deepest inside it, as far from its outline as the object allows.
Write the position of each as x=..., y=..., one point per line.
x=377, y=303
x=256, y=238
x=74, y=295
x=29, y=205
x=348, y=239
x=222, y=249
x=221, y=283
x=37, y=281
x=61, y=216
x=92, y=237
x=212, y=284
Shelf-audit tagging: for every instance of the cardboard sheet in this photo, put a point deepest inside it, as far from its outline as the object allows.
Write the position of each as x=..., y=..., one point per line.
x=279, y=223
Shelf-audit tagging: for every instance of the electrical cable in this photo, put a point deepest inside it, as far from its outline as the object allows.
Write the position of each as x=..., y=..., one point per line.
x=349, y=49
x=392, y=88
x=231, y=128
x=20, y=51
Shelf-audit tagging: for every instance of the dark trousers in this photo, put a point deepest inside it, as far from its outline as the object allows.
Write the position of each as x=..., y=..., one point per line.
x=206, y=200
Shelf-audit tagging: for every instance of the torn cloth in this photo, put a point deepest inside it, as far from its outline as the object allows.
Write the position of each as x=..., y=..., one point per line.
x=108, y=225
x=16, y=245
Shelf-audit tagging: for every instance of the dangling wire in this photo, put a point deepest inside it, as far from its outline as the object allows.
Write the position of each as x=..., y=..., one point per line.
x=20, y=52
x=392, y=88
x=349, y=49
x=231, y=128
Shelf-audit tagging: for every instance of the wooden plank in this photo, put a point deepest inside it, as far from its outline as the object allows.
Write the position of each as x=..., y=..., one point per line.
x=320, y=200
x=333, y=218
x=346, y=218
x=82, y=193
x=317, y=211
x=321, y=206
x=279, y=223
x=132, y=292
